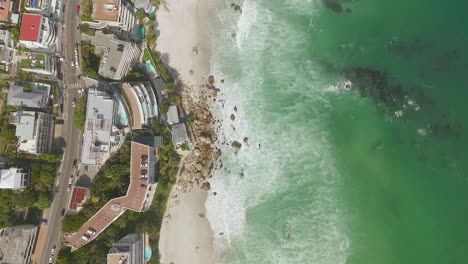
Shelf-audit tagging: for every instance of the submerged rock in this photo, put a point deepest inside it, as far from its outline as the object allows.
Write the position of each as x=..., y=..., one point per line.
x=333, y=5
x=233, y=117
x=246, y=140
x=236, y=145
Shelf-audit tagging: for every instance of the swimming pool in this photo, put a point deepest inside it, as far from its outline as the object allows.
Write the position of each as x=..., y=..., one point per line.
x=149, y=67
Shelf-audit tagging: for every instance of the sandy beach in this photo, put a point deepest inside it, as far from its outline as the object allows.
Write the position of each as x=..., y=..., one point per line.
x=183, y=43
x=186, y=235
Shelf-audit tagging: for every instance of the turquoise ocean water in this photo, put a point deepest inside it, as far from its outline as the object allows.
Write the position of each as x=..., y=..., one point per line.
x=356, y=121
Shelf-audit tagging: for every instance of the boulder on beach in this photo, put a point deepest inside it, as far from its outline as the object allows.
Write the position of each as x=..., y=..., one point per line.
x=246, y=140
x=205, y=186
x=211, y=80
x=233, y=117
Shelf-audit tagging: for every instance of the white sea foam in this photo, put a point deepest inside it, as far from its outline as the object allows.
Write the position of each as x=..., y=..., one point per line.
x=256, y=175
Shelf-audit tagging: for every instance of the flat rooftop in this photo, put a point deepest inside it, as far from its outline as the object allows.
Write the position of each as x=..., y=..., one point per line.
x=106, y=10
x=16, y=243
x=134, y=199
x=78, y=197
x=4, y=10
x=30, y=27
x=98, y=127
x=118, y=258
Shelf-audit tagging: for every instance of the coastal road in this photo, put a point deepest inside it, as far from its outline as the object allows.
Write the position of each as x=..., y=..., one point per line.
x=72, y=137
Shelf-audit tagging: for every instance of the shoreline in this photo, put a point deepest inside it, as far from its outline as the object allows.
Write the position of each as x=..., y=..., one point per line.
x=183, y=42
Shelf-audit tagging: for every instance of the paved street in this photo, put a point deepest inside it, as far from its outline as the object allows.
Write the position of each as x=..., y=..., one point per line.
x=71, y=36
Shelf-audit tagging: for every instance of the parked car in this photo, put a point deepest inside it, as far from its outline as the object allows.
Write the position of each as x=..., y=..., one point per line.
x=85, y=237
x=91, y=231
x=63, y=212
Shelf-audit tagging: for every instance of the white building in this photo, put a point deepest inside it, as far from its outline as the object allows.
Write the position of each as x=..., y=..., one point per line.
x=39, y=63
x=35, y=131
x=14, y=178
x=7, y=48
x=119, y=56
x=97, y=138
x=172, y=115
x=37, y=32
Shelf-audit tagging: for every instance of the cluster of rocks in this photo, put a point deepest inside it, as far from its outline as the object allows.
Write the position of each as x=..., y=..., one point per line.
x=199, y=161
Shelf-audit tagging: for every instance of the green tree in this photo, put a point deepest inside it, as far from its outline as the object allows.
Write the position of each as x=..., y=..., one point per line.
x=174, y=99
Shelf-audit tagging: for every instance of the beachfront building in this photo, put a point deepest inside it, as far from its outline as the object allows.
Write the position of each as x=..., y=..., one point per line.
x=172, y=115
x=9, y=11
x=129, y=250
x=118, y=57
x=160, y=87
x=16, y=244
x=142, y=101
x=145, y=5
x=97, y=139
x=39, y=63
x=14, y=178
x=33, y=95
x=140, y=193
x=7, y=48
x=114, y=14
x=37, y=32
x=34, y=130
x=179, y=134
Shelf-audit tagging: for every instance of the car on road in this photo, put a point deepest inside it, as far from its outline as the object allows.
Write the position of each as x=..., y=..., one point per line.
x=69, y=187
x=91, y=231
x=51, y=260
x=77, y=8
x=75, y=161
x=52, y=251
x=72, y=63
x=62, y=213
x=85, y=237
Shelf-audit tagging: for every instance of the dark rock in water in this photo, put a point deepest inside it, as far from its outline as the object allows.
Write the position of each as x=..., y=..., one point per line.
x=333, y=5
x=201, y=214
x=259, y=146
x=222, y=80
x=236, y=145
x=233, y=5
x=233, y=35
x=233, y=117
x=246, y=140
x=214, y=193
x=237, y=8
x=211, y=80
x=221, y=233
x=235, y=108
x=242, y=175
x=348, y=10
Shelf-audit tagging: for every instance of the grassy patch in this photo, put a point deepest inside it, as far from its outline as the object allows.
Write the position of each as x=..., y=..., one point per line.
x=90, y=61
x=84, y=28
x=79, y=114
x=26, y=63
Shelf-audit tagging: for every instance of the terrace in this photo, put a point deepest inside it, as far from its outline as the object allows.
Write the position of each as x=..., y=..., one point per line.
x=34, y=61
